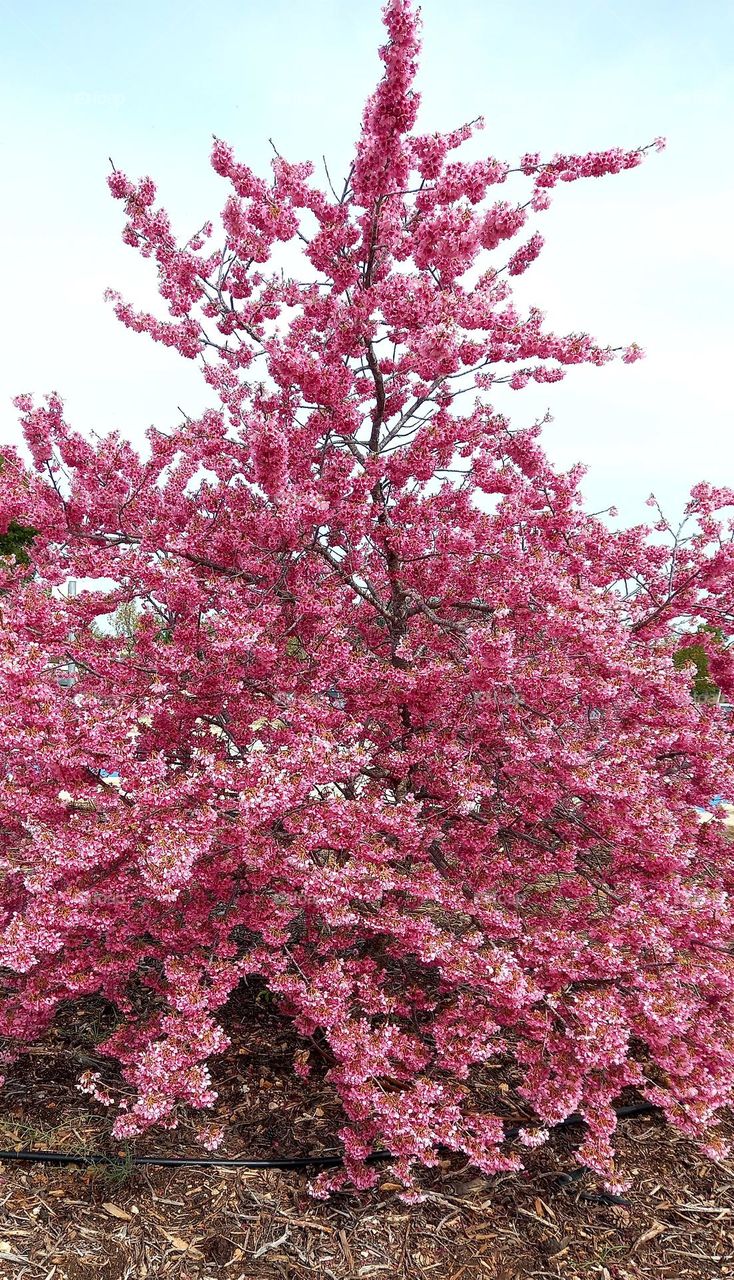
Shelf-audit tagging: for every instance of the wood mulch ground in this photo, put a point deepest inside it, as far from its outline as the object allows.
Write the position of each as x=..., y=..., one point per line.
x=192, y=1224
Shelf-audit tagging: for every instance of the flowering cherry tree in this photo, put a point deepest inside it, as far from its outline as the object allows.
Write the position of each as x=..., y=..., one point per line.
x=397, y=726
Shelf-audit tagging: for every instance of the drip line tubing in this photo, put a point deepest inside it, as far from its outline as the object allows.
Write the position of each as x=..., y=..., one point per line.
x=290, y=1162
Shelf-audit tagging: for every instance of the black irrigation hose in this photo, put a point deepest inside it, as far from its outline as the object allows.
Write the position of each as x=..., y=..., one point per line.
x=567, y=1180
x=292, y=1162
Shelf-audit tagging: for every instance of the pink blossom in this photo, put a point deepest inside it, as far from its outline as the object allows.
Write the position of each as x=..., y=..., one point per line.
x=394, y=722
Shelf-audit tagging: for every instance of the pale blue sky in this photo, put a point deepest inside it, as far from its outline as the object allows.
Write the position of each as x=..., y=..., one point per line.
x=645, y=256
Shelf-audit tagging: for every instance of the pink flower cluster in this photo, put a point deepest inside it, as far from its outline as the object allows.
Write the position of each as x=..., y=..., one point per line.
x=396, y=723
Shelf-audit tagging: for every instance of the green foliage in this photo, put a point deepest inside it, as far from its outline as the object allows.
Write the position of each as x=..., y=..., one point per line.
x=114, y=1172
x=694, y=655
x=16, y=540
x=295, y=649
x=17, y=537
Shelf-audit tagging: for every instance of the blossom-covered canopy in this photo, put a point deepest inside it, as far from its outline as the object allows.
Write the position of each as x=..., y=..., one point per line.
x=397, y=725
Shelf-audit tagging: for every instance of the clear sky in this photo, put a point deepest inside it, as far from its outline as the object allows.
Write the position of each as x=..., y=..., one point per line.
x=643, y=256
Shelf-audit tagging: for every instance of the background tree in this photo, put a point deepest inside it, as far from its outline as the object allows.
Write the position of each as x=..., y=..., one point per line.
x=15, y=542
x=695, y=655
x=124, y=624
x=415, y=751
x=16, y=538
